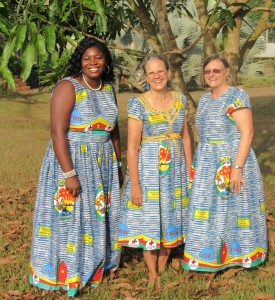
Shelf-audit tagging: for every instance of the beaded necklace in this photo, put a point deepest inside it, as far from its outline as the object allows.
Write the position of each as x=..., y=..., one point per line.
x=91, y=88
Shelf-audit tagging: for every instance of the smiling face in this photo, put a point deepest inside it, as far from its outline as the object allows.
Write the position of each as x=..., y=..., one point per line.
x=156, y=74
x=93, y=63
x=215, y=74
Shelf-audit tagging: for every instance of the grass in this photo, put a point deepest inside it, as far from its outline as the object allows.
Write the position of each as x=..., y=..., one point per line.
x=24, y=138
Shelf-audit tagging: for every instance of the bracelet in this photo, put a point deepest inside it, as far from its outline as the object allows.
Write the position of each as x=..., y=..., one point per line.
x=119, y=164
x=69, y=174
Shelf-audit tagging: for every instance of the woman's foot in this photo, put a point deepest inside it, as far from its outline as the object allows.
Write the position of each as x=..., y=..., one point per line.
x=153, y=282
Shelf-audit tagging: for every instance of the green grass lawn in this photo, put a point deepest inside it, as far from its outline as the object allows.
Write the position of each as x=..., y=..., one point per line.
x=24, y=138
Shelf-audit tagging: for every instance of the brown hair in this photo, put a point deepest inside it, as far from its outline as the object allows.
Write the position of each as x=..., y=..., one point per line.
x=208, y=60
x=153, y=56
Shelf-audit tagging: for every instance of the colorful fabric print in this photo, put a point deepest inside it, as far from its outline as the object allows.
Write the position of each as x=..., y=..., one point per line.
x=224, y=229
x=164, y=159
x=69, y=242
x=100, y=205
x=63, y=201
x=233, y=106
x=163, y=178
x=222, y=179
x=191, y=176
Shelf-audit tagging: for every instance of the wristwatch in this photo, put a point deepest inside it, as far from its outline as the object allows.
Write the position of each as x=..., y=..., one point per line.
x=237, y=167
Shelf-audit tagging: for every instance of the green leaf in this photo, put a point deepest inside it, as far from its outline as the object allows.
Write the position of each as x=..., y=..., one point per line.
x=9, y=47
x=27, y=60
x=1, y=4
x=225, y=35
x=70, y=40
x=50, y=37
x=90, y=4
x=3, y=28
x=21, y=31
x=41, y=49
x=81, y=19
x=33, y=31
x=7, y=75
x=99, y=8
x=214, y=18
x=230, y=20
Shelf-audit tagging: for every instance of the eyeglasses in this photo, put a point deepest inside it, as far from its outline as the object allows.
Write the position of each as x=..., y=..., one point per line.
x=215, y=71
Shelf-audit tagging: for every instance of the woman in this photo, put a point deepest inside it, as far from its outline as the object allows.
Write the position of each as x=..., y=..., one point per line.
x=227, y=225
x=155, y=200
x=78, y=196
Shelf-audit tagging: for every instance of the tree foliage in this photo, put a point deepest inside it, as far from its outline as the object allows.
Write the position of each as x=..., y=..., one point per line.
x=40, y=32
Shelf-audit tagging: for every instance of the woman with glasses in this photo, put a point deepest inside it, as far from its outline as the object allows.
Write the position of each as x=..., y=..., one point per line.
x=227, y=223
x=155, y=201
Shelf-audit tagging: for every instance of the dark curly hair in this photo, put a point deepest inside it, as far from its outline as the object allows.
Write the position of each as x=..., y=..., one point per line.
x=74, y=63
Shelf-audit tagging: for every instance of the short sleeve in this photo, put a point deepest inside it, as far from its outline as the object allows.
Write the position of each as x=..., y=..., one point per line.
x=238, y=99
x=184, y=102
x=135, y=109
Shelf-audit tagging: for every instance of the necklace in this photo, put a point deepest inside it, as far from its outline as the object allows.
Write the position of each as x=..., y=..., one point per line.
x=97, y=89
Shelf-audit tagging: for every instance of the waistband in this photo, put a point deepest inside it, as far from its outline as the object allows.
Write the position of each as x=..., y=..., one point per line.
x=217, y=141
x=90, y=137
x=164, y=137
x=161, y=137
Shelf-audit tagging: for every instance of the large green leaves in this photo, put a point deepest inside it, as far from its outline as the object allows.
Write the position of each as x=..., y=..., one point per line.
x=21, y=31
x=50, y=37
x=27, y=60
x=8, y=50
x=6, y=73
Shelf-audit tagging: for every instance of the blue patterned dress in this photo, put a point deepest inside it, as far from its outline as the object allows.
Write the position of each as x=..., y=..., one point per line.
x=75, y=239
x=163, y=179
x=224, y=229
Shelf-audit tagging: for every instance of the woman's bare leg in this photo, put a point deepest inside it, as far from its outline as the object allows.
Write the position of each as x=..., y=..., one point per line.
x=163, y=258
x=151, y=258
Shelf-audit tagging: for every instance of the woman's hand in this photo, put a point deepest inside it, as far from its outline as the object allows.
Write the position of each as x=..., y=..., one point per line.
x=73, y=186
x=236, y=179
x=136, y=195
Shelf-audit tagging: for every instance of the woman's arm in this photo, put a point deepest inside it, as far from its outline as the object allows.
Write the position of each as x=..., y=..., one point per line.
x=62, y=103
x=244, y=122
x=133, y=144
x=187, y=145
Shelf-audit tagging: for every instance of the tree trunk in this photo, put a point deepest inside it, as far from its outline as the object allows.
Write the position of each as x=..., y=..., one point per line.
x=232, y=50
x=179, y=85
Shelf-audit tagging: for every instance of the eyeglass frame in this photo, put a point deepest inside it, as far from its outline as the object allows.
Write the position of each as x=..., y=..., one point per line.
x=215, y=71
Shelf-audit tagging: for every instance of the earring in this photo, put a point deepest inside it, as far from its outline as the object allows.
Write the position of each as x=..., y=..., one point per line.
x=147, y=87
x=227, y=78
x=108, y=69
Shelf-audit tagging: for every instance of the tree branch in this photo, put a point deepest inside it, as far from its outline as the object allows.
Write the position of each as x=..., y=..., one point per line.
x=266, y=9
x=150, y=34
x=110, y=44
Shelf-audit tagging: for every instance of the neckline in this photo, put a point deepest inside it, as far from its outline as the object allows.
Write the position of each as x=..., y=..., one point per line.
x=152, y=108
x=225, y=91
x=102, y=87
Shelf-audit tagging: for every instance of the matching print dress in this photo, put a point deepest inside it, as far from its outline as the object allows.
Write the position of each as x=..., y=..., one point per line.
x=224, y=229
x=162, y=219
x=75, y=239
